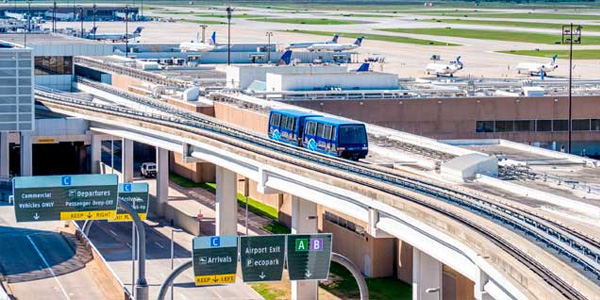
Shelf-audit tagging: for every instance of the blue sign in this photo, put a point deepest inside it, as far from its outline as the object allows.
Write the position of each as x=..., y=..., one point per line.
x=215, y=241
x=127, y=187
x=65, y=180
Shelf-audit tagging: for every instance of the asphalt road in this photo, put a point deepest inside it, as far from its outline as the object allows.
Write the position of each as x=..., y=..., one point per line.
x=39, y=263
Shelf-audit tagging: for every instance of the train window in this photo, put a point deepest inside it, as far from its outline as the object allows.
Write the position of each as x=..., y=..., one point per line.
x=284, y=120
x=327, y=132
x=311, y=128
x=291, y=124
x=352, y=134
x=319, y=129
x=275, y=119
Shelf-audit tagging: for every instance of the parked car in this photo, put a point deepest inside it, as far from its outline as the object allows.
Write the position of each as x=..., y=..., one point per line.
x=148, y=169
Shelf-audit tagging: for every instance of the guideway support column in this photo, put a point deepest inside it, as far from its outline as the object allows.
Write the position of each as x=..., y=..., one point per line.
x=480, y=293
x=127, y=160
x=162, y=180
x=26, y=154
x=427, y=277
x=304, y=220
x=226, y=210
x=96, y=153
x=4, y=155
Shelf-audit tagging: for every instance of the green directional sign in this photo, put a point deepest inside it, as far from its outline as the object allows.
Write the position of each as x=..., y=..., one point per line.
x=262, y=257
x=135, y=194
x=215, y=259
x=308, y=256
x=69, y=197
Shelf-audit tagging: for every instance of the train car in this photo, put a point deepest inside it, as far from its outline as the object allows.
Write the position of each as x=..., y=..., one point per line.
x=287, y=125
x=341, y=138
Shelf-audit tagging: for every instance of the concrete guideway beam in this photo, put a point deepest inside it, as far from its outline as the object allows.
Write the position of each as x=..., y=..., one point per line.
x=226, y=207
x=26, y=154
x=4, y=155
x=427, y=277
x=127, y=160
x=96, y=152
x=304, y=220
x=162, y=180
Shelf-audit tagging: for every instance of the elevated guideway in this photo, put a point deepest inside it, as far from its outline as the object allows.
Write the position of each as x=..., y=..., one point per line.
x=433, y=217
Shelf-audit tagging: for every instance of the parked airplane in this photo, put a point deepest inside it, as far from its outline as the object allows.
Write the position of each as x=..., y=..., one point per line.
x=192, y=46
x=445, y=69
x=363, y=68
x=92, y=35
x=336, y=47
x=285, y=59
x=537, y=68
x=304, y=45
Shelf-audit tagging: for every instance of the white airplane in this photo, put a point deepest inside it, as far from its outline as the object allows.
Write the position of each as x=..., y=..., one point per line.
x=336, y=47
x=192, y=46
x=303, y=45
x=537, y=68
x=445, y=69
x=92, y=35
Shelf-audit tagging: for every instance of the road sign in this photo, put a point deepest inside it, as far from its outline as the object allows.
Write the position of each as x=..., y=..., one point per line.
x=135, y=194
x=215, y=259
x=308, y=256
x=76, y=197
x=262, y=257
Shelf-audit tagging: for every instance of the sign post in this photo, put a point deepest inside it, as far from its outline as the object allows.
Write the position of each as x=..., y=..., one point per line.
x=135, y=194
x=60, y=198
x=262, y=257
x=215, y=259
x=308, y=256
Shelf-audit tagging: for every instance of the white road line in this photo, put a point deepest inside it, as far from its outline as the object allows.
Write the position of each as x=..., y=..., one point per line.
x=112, y=232
x=158, y=244
x=48, y=266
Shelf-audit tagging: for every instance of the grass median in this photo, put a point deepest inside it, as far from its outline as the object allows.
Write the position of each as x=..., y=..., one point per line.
x=562, y=54
x=536, y=25
x=212, y=22
x=377, y=37
x=498, y=35
x=507, y=15
x=308, y=21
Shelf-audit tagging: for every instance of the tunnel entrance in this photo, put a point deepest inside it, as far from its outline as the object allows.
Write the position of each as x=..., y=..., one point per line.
x=60, y=158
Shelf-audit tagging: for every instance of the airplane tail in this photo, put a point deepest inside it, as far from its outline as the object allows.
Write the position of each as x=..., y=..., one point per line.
x=335, y=38
x=285, y=58
x=554, y=58
x=458, y=61
x=358, y=41
x=138, y=31
x=542, y=75
x=213, y=39
x=363, y=68
x=94, y=29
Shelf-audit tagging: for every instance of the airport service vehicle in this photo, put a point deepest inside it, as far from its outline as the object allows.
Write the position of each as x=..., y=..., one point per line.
x=336, y=47
x=447, y=69
x=197, y=46
x=537, y=68
x=304, y=45
x=93, y=35
x=331, y=136
x=148, y=169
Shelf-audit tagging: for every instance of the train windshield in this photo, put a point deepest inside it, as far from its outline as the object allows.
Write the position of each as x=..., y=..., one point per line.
x=352, y=134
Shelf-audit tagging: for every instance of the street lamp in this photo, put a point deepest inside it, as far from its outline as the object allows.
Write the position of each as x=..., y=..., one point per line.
x=94, y=26
x=81, y=19
x=126, y=30
x=203, y=32
x=571, y=35
x=269, y=35
x=229, y=11
x=54, y=17
x=173, y=230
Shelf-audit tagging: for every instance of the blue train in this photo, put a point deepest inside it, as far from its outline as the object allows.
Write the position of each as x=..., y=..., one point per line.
x=330, y=136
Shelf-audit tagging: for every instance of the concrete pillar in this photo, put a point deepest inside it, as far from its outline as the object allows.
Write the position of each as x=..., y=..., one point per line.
x=480, y=293
x=304, y=220
x=226, y=208
x=4, y=155
x=162, y=180
x=96, y=153
x=26, y=154
x=127, y=160
x=427, y=277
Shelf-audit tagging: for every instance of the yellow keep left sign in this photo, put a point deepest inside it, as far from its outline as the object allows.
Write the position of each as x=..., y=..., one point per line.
x=215, y=279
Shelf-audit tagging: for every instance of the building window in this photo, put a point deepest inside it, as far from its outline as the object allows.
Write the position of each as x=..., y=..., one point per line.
x=484, y=126
x=53, y=65
x=335, y=219
x=595, y=124
x=524, y=125
x=581, y=125
x=543, y=125
x=560, y=125
x=505, y=126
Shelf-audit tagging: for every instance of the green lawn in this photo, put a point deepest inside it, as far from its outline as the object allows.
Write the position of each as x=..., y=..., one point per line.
x=308, y=21
x=342, y=284
x=562, y=54
x=204, y=21
x=223, y=15
x=525, y=37
x=378, y=37
x=507, y=15
x=509, y=24
x=366, y=16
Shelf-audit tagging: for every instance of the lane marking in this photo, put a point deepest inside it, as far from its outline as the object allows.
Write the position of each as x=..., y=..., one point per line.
x=49, y=268
x=112, y=232
x=159, y=245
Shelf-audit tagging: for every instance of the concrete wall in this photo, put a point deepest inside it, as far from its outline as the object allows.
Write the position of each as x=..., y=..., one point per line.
x=123, y=81
x=346, y=81
x=197, y=172
x=242, y=76
x=253, y=121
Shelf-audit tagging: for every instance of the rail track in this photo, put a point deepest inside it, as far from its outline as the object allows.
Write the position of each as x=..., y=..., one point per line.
x=581, y=250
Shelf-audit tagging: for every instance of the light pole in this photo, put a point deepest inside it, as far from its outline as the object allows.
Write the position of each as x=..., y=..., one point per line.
x=81, y=18
x=571, y=35
x=173, y=230
x=126, y=30
x=203, y=32
x=269, y=35
x=229, y=12
x=94, y=17
x=54, y=17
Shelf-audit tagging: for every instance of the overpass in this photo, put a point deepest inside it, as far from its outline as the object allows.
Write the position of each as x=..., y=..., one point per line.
x=461, y=229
